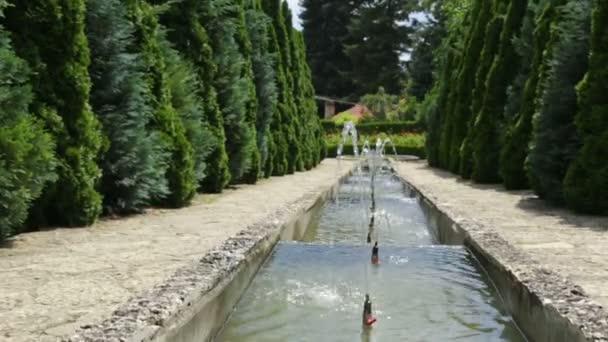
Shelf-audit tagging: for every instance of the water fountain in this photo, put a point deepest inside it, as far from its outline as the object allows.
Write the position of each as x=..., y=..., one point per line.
x=314, y=291
x=349, y=130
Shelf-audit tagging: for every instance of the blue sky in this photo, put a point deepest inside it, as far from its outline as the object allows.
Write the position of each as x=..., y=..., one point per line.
x=295, y=8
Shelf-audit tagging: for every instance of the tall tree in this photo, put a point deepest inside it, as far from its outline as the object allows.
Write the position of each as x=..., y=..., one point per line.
x=555, y=141
x=288, y=150
x=180, y=174
x=586, y=184
x=234, y=83
x=185, y=24
x=378, y=41
x=183, y=83
x=486, y=145
x=325, y=28
x=264, y=70
x=458, y=112
x=50, y=36
x=518, y=133
x=491, y=43
x=134, y=164
x=27, y=162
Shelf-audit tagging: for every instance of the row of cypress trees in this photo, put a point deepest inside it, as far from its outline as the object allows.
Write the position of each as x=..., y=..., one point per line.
x=518, y=100
x=110, y=106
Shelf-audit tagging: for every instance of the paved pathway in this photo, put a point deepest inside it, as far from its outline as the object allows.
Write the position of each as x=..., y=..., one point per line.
x=52, y=282
x=575, y=246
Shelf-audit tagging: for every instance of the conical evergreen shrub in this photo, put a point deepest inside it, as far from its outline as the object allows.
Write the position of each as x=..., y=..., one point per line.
x=515, y=146
x=50, y=36
x=491, y=45
x=586, y=184
x=486, y=144
x=184, y=21
x=180, y=174
x=259, y=26
x=555, y=141
x=134, y=164
x=233, y=81
x=27, y=161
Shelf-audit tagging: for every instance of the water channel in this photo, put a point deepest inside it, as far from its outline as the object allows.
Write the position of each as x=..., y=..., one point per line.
x=313, y=289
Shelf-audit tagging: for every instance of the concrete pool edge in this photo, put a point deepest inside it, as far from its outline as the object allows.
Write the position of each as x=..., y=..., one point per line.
x=198, y=298
x=545, y=305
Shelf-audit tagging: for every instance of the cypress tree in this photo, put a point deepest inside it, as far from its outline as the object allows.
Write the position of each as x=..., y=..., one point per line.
x=263, y=63
x=50, y=36
x=180, y=174
x=294, y=157
x=555, y=141
x=459, y=110
x=300, y=125
x=586, y=183
x=27, y=162
x=184, y=21
x=234, y=83
x=183, y=83
x=325, y=28
x=486, y=144
x=134, y=165
x=287, y=151
x=516, y=142
x=491, y=44
x=435, y=115
x=255, y=169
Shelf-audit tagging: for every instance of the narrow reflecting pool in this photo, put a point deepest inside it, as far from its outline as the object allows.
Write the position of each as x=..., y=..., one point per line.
x=313, y=290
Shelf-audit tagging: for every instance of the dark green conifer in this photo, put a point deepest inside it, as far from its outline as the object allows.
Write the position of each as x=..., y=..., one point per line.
x=586, y=184
x=555, y=141
x=50, y=36
x=134, y=164
x=27, y=161
x=486, y=144
x=185, y=22
x=515, y=146
x=180, y=175
x=491, y=44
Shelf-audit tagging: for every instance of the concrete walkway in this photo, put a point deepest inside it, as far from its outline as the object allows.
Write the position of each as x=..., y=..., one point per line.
x=574, y=246
x=55, y=281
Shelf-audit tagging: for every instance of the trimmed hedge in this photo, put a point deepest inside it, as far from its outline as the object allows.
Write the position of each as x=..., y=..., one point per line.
x=389, y=127
x=409, y=144
x=418, y=151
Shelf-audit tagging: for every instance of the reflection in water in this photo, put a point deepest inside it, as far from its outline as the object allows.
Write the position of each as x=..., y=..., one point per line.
x=315, y=291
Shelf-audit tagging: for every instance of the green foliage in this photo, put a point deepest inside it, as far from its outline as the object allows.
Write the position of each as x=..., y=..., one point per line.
x=27, y=162
x=134, y=164
x=263, y=63
x=491, y=45
x=50, y=36
x=486, y=144
x=287, y=148
x=182, y=81
x=184, y=21
x=555, y=141
x=586, y=183
x=434, y=112
x=380, y=103
x=523, y=95
x=407, y=144
x=458, y=112
x=180, y=174
x=325, y=31
x=376, y=127
x=236, y=90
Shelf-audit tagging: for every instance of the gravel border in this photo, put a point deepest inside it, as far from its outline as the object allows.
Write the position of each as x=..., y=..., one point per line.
x=561, y=301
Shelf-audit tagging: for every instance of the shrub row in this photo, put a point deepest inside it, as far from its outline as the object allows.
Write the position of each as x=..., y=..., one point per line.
x=389, y=127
